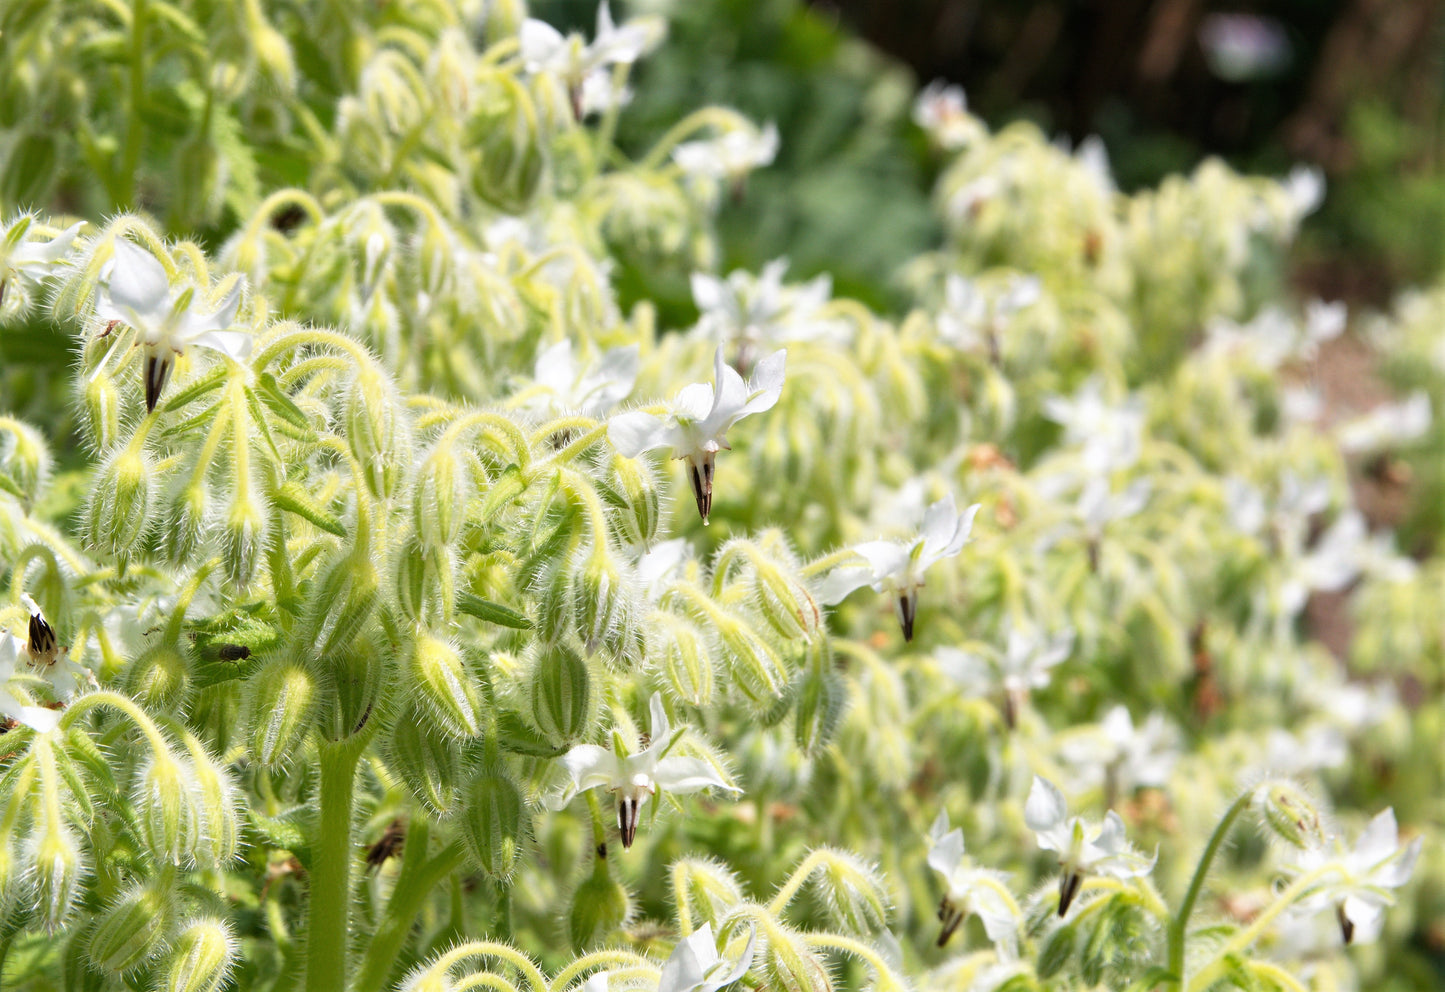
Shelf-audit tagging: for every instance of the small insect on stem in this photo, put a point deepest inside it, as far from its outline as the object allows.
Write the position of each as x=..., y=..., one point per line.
x=233, y=652
x=388, y=846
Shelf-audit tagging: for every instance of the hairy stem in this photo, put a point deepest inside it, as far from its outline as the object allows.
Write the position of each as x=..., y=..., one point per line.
x=327, y=933
x=1179, y=925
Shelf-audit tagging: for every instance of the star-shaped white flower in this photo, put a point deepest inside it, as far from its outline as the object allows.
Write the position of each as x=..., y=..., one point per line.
x=25, y=264
x=759, y=311
x=592, y=389
x=971, y=318
x=1362, y=884
x=1106, y=852
x=64, y=674
x=1025, y=664
x=696, y=966
x=545, y=49
x=137, y=293
x=695, y=429
x=896, y=567
x=730, y=156
x=635, y=777
x=982, y=892
x=15, y=704
x=1122, y=756
x=1109, y=436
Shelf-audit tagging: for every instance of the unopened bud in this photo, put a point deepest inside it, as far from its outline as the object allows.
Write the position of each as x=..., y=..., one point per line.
x=712, y=890
x=243, y=539
x=599, y=906
x=425, y=581
x=55, y=870
x=214, y=798
x=439, y=502
x=853, y=891
x=378, y=431
x=164, y=808
x=682, y=655
x=100, y=402
x=1290, y=812
x=25, y=459
x=442, y=680
x=789, y=964
x=503, y=19
x=281, y=702
x=820, y=700
x=426, y=761
x=504, y=131
x=342, y=604
x=160, y=678
x=120, y=502
x=352, y=683
x=783, y=602
x=642, y=517
x=753, y=662
x=131, y=931
x=603, y=609
x=561, y=691
x=185, y=522
x=201, y=957
x=495, y=822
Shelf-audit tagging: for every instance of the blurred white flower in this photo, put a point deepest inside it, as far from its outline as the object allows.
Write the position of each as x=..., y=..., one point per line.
x=730, y=156
x=635, y=777
x=971, y=319
x=1106, y=852
x=592, y=390
x=1109, y=436
x=1123, y=757
x=696, y=426
x=24, y=265
x=661, y=565
x=1099, y=505
x=137, y=293
x=896, y=567
x=1242, y=47
x=1387, y=426
x=969, y=889
x=1305, y=189
x=696, y=966
x=573, y=61
x=753, y=312
x=1359, y=882
x=942, y=111
x=1320, y=747
x=1026, y=663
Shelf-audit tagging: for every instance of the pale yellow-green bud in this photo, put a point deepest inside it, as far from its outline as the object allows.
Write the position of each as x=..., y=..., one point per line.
x=165, y=808
x=378, y=431
x=120, y=502
x=852, y=890
x=503, y=130
x=352, y=682
x=642, y=519
x=439, y=502
x=603, y=610
x=495, y=822
x=503, y=19
x=132, y=930
x=753, y=662
x=201, y=957
x=25, y=458
x=214, y=796
x=783, y=601
x=426, y=760
x=820, y=702
x=789, y=966
x=56, y=867
x=443, y=682
x=712, y=889
x=160, y=677
x=242, y=539
x=560, y=687
x=425, y=581
x=100, y=401
x=185, y=522
x=1289, y=812
x=600, y=906
x=681, y=653
x=342, y=604
x=281, y=705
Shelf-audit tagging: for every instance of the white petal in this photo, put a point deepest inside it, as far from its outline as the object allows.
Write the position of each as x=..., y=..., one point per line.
x=766, y=384
x=540, y=43
x=693, y=402
x=137, y=281
x=661, y=730
x=947, y=852
x=1045, y=807
x=633, y=433
x=234, y=344
x=590, y=766
x=708, y=291
x=840, y=583
x=740, y=967
x=1378, y=841
x=682, y=775
x=729, y=397
x=689, y=961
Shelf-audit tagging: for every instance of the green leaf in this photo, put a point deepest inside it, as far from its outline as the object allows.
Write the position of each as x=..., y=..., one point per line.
x=513, y=734
x=293, y=499
x=482, y=609
x=276, y=400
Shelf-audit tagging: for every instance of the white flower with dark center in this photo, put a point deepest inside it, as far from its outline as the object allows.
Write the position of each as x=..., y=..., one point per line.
x=138, y=293
x=896, y=568
x=45, y=653
x=695, y=428
x=1081, y=851
x=971, y=319
x=573, y=61
x=592, y=389
x=1122, y=756
x=1363, y=878
x=633, y=778
x=15, y=704
x=971, y=890
x=730, y=156
x=24, y=265
x=696, y=966
x=759, y=311
x=1026, y=663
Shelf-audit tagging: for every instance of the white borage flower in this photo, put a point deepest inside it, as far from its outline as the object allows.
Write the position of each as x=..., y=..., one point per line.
x=15, y=703
x=1123, y=756
x=759, y=311
x=1316, y=749
x=26, y=264
x=1386, y=426
x=138, y=293
x=695, y=427
x=896, y=568
x=971, y=318
x=1106, y=852
x=545, y=49
x=635, y=777
x=1026, y=663
x=969, y=889
x=566, y=385
x=941, y=110
x=1099, y=506
x=661, y=565
x=1109, y=436
x=731, y=155
x=1360, y=882
x=64, y=674
x=696, y=966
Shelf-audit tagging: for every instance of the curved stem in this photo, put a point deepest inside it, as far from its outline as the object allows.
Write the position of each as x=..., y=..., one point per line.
x=491, y=948
x=719, y=117
x=1180, y=923
x=597, y=959
x=795, y=881
x=126, y=706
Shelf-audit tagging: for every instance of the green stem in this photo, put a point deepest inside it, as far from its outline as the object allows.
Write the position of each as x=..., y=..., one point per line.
x=419, y=876
x=130, y=161
x=327, y=935
x=1180, y=923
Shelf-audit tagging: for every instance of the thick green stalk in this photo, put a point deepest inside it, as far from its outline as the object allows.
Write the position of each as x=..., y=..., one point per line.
x=1180, y=923
x=413, y=885
x=327, y=934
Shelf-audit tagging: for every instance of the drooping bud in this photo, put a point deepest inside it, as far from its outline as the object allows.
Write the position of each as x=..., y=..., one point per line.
x=753, y=662
x=560, y=687
x=120, y=502
x=160, y=678
x=599, y=906
x=1289, y=812
x=439, y=501
x=351, y=682
x=342, y=604
x=642, y=517
x=783, y=602
x=56, y=868
x=821, y=698
x=378, y=431
x=243, y=538
x=852, y=890
x=100, y=401
x=132, y=930
x=214, y=796
x=281, y=704
x=185, y=522
x=712, y=890
x=24, y=459
x=495, y=822
x=425, y=581
x=165, y=810
x=201, y=957
x=681, y=653
x=426, y=760
x=603, y=609
x=503, y=128
x=442, y=681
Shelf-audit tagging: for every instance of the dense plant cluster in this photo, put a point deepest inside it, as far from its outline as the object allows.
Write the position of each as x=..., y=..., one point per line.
x=385, y=607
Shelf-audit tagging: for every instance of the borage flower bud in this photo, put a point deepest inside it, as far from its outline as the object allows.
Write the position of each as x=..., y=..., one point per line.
x=680, y=651
x=783, y=601
x=560, y=688
x=425, y=581
x=600, y=906
x=100, y=401
x=752, y=661
x=281, y=702
x=439, y=501
x=132, y=930
x=120, y=502
x=164, y=807
x=821, y=697
x=426, y=761
x=442, y=681
x=1290, y=813
x=243, y=538
x=214, y=796
x=641, y=517
x=504, y=128
x=603, y=607
x=342, y=604
x=25, y=459
x=201, y=957
x=56, y=868
x=495, y=823
x=160, y=678
x=378, y=431
x=352, y=685
x=185, y=522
